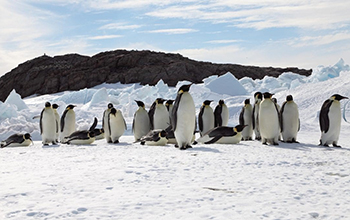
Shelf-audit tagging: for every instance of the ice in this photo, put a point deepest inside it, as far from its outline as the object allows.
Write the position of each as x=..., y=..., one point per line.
x=226, y=84
x=16, y=100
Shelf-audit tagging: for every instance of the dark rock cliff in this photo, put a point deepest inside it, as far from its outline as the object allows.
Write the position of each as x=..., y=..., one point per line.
x=45, y=75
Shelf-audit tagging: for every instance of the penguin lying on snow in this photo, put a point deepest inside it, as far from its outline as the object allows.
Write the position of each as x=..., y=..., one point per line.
x=330, y=119
x=99, y=133
x=82, y=137
x=17, y=140
x=156, y=137
x=223, y=135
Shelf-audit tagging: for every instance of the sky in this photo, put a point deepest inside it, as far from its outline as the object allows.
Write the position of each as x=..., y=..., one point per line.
x=295, y=33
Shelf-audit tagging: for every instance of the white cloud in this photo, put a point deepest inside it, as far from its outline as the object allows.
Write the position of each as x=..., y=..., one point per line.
x=223, y=41
x=119, y=26
x=173, y=31
x=320, y=40
x=104, y=37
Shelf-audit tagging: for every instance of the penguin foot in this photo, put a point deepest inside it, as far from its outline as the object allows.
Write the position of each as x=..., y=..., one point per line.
x=258, y=138
x=116, y=142
x=188, y=146
x=142, y=143
x=195, y=142
x=334, y=145
x=177, y=146
x=275, y=143
x=264, y=143
x=183, y=148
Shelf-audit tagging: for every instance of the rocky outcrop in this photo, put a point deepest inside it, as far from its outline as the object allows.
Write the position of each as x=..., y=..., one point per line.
x=45, y=75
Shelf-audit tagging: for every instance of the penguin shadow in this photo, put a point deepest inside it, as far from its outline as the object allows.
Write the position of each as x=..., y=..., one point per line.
x=306, y=147
x=51, y=146
x=120, y=144
x=204, y=149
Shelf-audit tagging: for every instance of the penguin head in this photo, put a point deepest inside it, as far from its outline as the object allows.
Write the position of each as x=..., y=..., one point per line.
x=47, y=104
x=221, y=102
x=91, y=134
x=184, y=88
x=267, y=95
x=55, y=106
x=258, y=95
x=338, y=97
x=113, y=111
x=140, y=104
x=110, y=105
x=160, y=101
x=207, y=102
x=162, y=134
x=27, y=136
x=289, y=98
x=239, y=128
x=274, y=100
x=69, y=107
x=247, y=102
x=169, y=102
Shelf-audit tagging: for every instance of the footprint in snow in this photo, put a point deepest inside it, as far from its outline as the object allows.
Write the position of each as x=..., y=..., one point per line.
x=79, y=210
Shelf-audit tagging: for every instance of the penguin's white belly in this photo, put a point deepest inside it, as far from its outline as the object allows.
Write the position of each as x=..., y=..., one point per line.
x=58, y=124
x=25, y=143
x=334, y=115
x=81, y=141
x=69, y=124
x=230, y=140
x=100, y=136
x=290, y=118
x=248, y=130
x=268, y=120
x=256, y=121
x=208, y=120
x=48, y=126
x=225, y=116
x=162, y=141
x=117, y=127
x=141, y=124
x=161, y=118
x=186, y=119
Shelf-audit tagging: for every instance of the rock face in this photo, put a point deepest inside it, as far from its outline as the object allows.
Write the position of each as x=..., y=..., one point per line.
x=45, y=75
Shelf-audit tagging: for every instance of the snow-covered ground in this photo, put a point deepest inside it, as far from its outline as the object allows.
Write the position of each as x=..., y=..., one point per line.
x=130, y=181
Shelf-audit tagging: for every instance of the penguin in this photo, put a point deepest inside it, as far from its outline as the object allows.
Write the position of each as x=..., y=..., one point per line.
x=330, y=120
x=245, y=118
x=158, y=115
x=279, y=111
x=141, y=124
x=48, y=126
x=206, y=117
x=255, y=122
x=221, y=114
x=57, y=118
x=269, y=122
x=99, y=133
x=169, y=106
x=290, y=123
x=156, y=137
x=223, y=135
x=83, y=136
x=183, y=118
x=105, y=122
x=116, y=125
x=17, y=140
x=170, y=135
x=67, y=122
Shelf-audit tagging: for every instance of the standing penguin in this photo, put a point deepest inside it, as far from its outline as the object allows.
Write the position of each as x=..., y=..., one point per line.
x=48, y=126
x=269, y=122
x=57, y=118
x=17, y=140
x=221, y=114
x=183, y=118
x=245, y=118
x=158, y=115
x=67, y=122
x=116, y=125
x=169, y=105
x=330, y=120
x=206, y=117
x=223, y=135
x=141, y=124
x=290, y=123
x=258, y=98
x=105, y=123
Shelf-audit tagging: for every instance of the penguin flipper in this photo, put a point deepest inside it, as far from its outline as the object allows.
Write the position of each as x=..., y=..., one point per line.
x=62, y=119
x=151, y=114
x=41, y=121
x=241, y=117
x=173, y=117
x=200, y=119
x=93, y=126
x=324, y=119
x=281, y=115
x=253, y=117
x=217, y=114
x=215, y=139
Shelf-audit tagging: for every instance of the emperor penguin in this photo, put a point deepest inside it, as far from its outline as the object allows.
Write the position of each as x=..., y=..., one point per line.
x=221, y=114
x=223, y=135
x=245, y=118
x=116, y=125
x=67, y=122
x=48, y=126
x=141, y=124
x=156, y=137
x=330, y=120
x=290, y=123
x=258, y=98
x=105, y=122
x=169, y=105
x=83, y=136
x=158, y=115
x=206, y=117
x=269, y=122
x=183, y=118
x=17, y=140
x=57, y=118
x=99, y=133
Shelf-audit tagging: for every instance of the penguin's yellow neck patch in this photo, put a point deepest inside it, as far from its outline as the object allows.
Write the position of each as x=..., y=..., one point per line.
x=181, y=91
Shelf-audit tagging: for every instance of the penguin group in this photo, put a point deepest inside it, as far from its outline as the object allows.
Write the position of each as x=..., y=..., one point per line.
x=175, y=122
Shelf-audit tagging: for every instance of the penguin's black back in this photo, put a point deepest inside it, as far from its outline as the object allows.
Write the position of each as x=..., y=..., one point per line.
x=324, y=119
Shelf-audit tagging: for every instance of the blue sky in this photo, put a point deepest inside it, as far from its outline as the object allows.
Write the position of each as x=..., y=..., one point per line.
x=302, y=33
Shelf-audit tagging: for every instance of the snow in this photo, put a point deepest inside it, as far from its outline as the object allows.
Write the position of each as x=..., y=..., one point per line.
x=132, y=181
